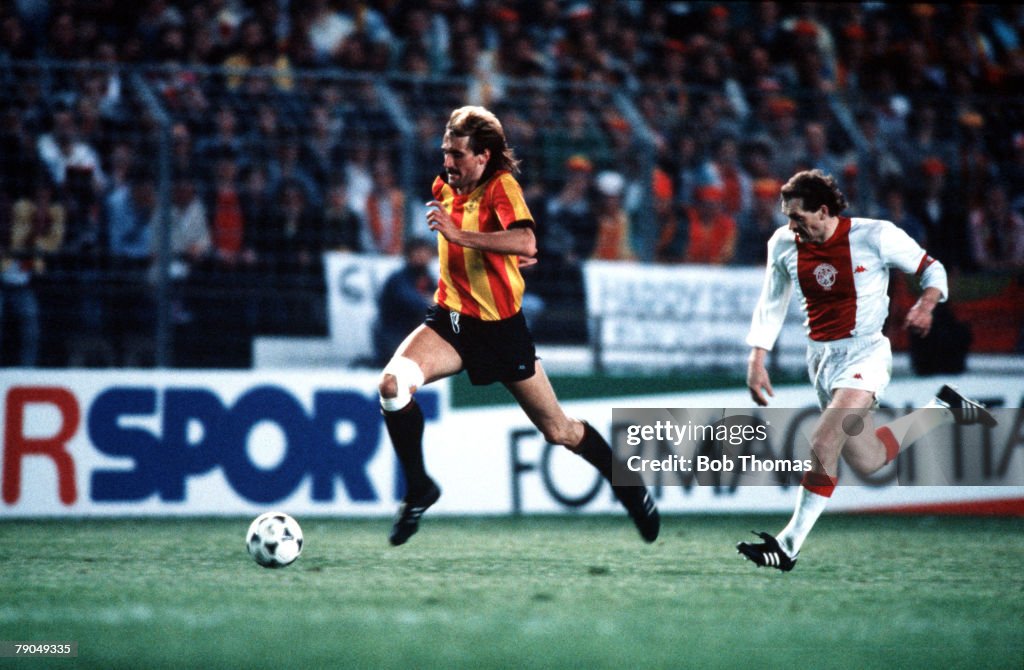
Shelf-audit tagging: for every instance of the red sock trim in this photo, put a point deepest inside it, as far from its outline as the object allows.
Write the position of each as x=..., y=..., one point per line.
x=892, y=447
x=815, y=482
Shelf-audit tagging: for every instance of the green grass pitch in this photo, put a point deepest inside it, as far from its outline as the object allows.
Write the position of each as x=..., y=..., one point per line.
x=559, y=592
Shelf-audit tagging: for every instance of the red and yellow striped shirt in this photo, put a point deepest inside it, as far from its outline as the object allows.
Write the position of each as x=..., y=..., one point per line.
x=484, y=285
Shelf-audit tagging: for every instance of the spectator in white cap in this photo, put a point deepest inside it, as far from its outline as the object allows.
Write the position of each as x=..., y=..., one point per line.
x=613, y=227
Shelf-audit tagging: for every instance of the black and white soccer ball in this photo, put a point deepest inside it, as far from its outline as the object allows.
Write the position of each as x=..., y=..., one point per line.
x=274, y=540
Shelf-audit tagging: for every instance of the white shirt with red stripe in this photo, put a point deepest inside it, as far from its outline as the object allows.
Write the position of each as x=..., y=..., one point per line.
x=842, y=283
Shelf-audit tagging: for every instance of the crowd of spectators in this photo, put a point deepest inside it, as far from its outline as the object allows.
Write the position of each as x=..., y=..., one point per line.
x=281, y=147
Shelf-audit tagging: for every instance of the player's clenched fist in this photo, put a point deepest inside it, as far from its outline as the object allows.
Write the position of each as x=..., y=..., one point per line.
x=440, y=221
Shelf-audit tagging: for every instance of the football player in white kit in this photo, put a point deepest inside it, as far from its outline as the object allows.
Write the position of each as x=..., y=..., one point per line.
x=839, y=269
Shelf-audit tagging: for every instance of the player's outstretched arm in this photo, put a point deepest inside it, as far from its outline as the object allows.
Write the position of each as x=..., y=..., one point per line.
x=757, y=377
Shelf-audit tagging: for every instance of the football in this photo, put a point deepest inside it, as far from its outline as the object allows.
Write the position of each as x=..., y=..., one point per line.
x=274, y=540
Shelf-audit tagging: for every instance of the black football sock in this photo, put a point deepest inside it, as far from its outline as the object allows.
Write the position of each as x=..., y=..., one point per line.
x=595, y=450
x=405, y=427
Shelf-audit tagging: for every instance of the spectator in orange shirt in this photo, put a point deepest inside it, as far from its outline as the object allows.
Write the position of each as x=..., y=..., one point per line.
x=712, y=231
x=385, y=210
x=227, y=218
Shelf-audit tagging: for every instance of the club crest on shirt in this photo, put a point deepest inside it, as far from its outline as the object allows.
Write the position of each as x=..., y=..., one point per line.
x=825, y=274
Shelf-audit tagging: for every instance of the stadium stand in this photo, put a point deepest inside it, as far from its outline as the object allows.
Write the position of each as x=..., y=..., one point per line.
x=171, y=176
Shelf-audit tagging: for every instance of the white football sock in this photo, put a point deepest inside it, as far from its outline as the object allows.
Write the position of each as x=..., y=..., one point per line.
x=809, y=506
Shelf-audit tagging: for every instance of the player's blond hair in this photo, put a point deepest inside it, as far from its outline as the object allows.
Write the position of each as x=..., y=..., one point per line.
x=484, y=131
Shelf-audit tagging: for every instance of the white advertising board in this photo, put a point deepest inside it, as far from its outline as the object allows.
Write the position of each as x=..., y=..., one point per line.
x=678, y=316
x=98, y=443
x=160, y=442
x=353, y=283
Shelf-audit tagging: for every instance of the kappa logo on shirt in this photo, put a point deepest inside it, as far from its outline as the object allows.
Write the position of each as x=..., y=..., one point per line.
x=858, y=376
x=859, y=269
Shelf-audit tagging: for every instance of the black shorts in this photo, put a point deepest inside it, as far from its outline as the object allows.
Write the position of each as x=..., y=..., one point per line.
x=491, y=351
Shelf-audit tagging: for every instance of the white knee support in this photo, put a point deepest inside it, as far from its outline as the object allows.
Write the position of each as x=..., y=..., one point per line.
x=409, y=378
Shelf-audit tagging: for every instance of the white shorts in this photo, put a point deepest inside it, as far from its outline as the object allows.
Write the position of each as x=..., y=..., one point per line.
x=863, y=363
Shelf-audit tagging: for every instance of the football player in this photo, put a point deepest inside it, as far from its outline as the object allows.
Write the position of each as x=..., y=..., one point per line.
x=839, y=268
x=485, y=234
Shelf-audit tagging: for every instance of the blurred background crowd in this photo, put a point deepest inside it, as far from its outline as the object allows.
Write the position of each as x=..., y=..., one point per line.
x=171, y=172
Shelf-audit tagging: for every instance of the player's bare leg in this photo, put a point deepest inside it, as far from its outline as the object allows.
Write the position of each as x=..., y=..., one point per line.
x=423, y=357
x=435, y=357
x=863, y=452
x=537, y=398
x=828, y=441
x=868, y=450
x=847, y=429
